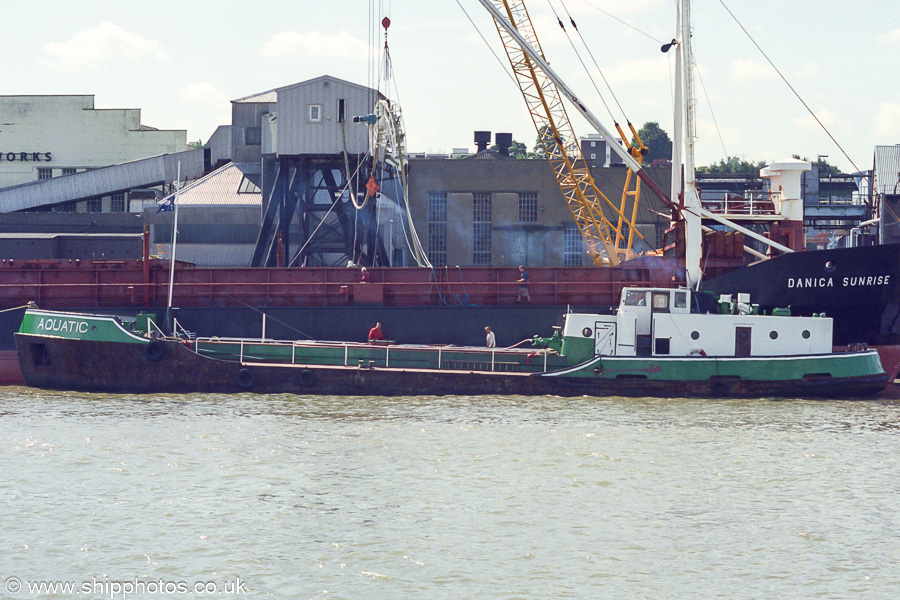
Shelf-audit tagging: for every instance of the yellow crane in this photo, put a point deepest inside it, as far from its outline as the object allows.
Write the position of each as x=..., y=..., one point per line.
x=606, y=243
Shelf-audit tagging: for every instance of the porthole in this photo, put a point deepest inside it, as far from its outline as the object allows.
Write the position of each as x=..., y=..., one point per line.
x=805, y=334
x=695, y=335
x=829, y=266
x=586, y=332
x=773, y=335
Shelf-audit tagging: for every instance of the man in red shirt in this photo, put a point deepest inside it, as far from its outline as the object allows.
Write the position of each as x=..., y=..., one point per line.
x=375, y=333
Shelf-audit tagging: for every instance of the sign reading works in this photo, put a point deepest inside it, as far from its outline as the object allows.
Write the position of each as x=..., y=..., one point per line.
x=26, y=156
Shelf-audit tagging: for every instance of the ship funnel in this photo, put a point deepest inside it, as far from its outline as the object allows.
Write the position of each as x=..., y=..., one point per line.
x=785, y=181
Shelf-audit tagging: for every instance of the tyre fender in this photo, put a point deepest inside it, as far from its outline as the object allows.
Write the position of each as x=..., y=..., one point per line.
x=155, y=350
x=720, y=389
x=245, y=378
x=307, y=378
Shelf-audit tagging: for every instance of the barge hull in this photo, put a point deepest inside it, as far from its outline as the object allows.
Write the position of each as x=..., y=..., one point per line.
x=72, y=364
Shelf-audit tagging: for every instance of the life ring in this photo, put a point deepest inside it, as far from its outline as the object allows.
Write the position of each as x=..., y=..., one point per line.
x=307, y=378
x=720, y=389
x=154, y=351
x=245, y=378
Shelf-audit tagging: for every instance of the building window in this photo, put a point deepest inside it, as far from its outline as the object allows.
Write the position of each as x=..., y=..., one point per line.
x=68, y=207
x=45, y=173
x=117, y=203
x=573, y=247
x=252, y=136
x=315, y=113
x=660, y=230
x=528, y=208
x=437, y=228
x=481, y=229
x=95, y=205
x=68, y=171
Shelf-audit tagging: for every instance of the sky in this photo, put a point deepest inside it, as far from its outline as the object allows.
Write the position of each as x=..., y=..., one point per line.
x=182, y=63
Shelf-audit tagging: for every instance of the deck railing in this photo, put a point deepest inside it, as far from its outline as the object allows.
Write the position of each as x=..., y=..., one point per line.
x=364, y=352
x=98, y=288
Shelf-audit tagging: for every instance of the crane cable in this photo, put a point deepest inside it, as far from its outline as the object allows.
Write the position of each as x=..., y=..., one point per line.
x=783, y=78
x=581, y=60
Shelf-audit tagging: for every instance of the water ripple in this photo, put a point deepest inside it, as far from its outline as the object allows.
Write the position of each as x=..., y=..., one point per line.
x=452, y=497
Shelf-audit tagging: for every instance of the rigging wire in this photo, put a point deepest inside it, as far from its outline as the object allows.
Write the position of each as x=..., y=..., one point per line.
x=712, y=114
x=322, y=220
x=581, y=60
x=629, y=25
x=593, y=59
x=484, y=39
x=783, y=78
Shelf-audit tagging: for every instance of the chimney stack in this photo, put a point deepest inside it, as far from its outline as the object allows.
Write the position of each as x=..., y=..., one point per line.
x=504, y=141
x=482, y=139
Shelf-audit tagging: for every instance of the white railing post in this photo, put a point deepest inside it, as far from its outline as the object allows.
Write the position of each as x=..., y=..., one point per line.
x=387, y=356
x=439, y=358
x=241, y=358
x=346, y=354
x=493, y=351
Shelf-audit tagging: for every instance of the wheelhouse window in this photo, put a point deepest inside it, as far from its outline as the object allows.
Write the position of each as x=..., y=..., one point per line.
x=661, y=301
x=635, y=298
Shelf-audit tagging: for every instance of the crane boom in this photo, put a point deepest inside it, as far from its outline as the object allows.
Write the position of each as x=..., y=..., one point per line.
x=556, y=137
x=545, y=68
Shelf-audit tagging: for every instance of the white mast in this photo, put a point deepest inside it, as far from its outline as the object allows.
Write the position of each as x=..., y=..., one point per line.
x=172, y=252
x=685, y=129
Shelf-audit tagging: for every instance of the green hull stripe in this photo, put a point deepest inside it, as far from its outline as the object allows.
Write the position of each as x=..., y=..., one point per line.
x=76, y=326
x=752, y=368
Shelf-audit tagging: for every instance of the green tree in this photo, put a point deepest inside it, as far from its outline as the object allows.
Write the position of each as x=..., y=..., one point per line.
x=659, y=145
x=825, y=168
x=538, y=150
x=197, y=144
x=516, y=149
x=732, y=164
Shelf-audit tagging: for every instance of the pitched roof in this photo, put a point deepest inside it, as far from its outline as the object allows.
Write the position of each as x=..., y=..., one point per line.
x=235, y=184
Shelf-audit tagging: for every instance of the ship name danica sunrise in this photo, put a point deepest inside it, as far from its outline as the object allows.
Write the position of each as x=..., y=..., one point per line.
x=826, y=282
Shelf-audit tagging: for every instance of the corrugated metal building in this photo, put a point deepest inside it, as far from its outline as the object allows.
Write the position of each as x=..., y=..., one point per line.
x=218, y=218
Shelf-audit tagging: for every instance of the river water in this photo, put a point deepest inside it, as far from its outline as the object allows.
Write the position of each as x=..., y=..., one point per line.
x=489, y=497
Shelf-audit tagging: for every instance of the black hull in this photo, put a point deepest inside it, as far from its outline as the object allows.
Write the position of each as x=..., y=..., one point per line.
x=116, y=367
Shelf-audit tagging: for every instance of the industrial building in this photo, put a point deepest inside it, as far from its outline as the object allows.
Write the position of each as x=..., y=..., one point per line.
x=491, y=210
x=279, y=184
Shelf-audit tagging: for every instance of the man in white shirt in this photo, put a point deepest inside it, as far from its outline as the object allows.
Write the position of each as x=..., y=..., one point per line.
x=490, y=339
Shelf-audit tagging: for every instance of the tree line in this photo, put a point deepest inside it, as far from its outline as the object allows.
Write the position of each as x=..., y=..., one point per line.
x=659, y=154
